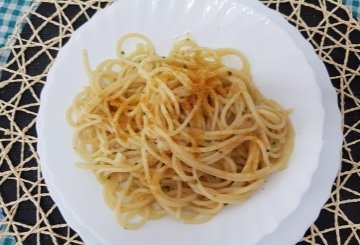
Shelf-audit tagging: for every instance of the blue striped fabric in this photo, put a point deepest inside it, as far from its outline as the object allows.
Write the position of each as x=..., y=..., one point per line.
x=5, y=240
x=354, y=6
x=10, y=12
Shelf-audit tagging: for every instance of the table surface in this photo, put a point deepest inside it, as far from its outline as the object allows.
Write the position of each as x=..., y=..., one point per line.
x=31, y=215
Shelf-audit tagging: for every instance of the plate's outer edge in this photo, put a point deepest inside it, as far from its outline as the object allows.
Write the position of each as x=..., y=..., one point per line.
x=64, y=49
x=252, y=4
x=70, y=218
x=84, y=233
x=330, y=157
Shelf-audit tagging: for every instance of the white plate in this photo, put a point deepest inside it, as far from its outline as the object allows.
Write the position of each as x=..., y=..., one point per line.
x=280, y=70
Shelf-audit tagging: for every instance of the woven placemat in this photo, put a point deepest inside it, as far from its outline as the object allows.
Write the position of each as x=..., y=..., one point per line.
x=31, y=217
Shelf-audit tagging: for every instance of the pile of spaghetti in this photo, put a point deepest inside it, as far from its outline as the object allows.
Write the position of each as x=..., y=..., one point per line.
x=182, y=135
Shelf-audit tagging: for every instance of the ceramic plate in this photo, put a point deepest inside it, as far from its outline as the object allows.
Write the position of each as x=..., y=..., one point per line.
x=280, y=69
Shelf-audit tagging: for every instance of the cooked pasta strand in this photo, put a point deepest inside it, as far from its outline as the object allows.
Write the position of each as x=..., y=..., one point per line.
x=182, y=135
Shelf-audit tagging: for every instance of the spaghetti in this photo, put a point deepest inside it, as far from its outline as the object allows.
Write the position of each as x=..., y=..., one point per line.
x=182, y=135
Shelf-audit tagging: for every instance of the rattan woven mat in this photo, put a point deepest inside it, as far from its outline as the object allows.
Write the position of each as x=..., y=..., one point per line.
x=30, y=214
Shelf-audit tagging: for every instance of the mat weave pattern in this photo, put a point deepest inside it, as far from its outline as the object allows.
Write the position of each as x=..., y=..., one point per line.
x=30, y=214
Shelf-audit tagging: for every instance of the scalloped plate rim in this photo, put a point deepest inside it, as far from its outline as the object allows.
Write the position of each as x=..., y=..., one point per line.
x=61, y=53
